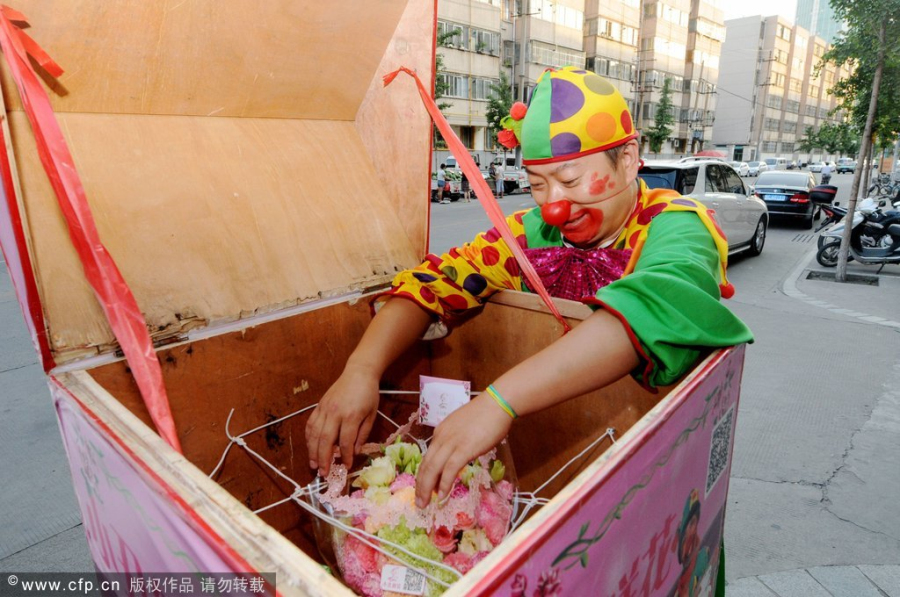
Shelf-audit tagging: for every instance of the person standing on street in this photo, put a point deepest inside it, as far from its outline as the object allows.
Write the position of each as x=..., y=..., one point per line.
x=497, y=175
x=826, y=173
x=441, y=183
x=465, y=188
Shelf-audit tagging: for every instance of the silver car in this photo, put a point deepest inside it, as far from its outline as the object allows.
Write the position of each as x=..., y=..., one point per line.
x=743, y=217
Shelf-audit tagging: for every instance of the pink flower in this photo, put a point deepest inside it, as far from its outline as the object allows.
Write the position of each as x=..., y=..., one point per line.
x=459, y=561
x=493, y=516
x=443, y=538
x=403, y=480
x=548, y=584
x=459, y=490
x=505, y=490
x=359, y=553
x=519, y=586
x=371, y=585
x=464, y=522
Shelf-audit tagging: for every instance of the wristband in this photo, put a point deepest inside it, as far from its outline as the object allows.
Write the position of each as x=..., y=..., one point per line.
x=493, y=393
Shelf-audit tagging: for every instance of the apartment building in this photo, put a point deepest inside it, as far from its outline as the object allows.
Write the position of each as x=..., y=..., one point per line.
x=678, y=40
x=769, y=91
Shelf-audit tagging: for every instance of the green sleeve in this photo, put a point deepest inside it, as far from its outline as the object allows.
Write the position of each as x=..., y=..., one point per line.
x=671, y=300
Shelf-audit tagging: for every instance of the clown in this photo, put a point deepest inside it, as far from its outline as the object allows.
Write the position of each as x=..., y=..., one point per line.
x=651, y=264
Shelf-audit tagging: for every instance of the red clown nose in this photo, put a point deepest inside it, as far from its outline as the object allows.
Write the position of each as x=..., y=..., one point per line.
x=557, y=212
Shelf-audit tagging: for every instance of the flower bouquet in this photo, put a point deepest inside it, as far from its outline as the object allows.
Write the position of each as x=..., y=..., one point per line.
x=377, y=532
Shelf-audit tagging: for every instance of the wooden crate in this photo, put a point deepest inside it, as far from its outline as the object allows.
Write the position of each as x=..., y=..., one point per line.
x=254, y=182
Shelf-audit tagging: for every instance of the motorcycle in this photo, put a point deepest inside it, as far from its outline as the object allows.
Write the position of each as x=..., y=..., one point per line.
x=874, y=237
x=833, y=214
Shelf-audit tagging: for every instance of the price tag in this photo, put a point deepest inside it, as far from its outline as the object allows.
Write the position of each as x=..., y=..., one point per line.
x=438, y=397
x=399, y=579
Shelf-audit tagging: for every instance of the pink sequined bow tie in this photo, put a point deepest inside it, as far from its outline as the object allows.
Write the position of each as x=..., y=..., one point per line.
x=572, y=273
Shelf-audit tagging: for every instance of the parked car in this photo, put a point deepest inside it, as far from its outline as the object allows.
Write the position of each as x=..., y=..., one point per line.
x=846, y=165
x=816, y=166
x=743, y=169
x=514, y=179
x=787, y=194
x=776, y=163
x=756, y=167
x=743, y=217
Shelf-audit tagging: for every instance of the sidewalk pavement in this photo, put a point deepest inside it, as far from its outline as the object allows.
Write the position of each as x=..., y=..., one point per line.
x=874, y=299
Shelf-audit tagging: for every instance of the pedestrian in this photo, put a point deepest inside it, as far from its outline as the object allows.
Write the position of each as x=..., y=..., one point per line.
x=464, y=187
x=650, y=262
x=497, y=176
x=441, y=183
x=826, y=173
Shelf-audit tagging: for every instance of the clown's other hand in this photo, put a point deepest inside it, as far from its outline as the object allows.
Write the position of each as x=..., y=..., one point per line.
x=466, y=434
x=344, y=416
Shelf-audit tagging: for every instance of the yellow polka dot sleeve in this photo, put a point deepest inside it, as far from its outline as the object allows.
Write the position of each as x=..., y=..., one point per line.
x=465, y=276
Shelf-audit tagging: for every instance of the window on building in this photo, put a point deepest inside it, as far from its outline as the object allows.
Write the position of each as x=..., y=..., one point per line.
x=481, y=88
x=787, y=148
x=569, y=17
x=770, y=146
x=823, y=112
x=467, y=135
x=796, y=85
x=771, y=124
x=810, y=110
x=556, y=56
x=457, y=85
x=783, y=32
x=668, y=47
x=774, y=101
x=818, y=51
x=792, y=106
x=487, y=42
x=459, y=40
x=800, y=42
x=707, y=29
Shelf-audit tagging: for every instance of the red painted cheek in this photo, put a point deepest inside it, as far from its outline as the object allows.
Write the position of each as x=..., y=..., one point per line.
x=599, y=186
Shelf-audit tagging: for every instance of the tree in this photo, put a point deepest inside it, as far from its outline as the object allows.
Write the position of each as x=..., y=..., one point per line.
x=662, y=124
x=871, y=25
x=499, y=103
x=809, y=142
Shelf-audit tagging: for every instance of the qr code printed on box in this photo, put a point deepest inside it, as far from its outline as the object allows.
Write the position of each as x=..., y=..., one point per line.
x=718, y=449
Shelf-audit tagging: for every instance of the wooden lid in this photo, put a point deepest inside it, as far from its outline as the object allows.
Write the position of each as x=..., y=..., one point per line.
x=239, y=157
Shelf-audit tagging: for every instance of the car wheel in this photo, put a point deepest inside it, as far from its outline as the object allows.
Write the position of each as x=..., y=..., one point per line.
x=759, y=238
x=808, y=221
x=828, y=255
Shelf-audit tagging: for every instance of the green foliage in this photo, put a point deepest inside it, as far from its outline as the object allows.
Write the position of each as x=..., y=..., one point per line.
x=499, y=103
x=662, y=125
x=859, y=49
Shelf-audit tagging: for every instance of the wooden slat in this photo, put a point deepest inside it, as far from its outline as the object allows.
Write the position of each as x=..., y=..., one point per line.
x=275, y=59
x=210, y=219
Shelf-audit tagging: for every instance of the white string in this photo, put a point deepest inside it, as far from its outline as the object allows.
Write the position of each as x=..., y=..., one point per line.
x=525, y=500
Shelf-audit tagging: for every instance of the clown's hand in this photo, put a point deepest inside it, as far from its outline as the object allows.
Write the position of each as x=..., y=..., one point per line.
x=465, y=435
x=344, y=416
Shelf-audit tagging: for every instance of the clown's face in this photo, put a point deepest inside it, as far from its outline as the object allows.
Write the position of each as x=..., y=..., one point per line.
x=587, y=198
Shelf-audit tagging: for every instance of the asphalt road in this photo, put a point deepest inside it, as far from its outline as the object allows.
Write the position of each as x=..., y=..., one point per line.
x=816, y=470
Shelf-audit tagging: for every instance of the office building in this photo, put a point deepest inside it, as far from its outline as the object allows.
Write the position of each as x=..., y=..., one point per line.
x=769, y=91
x=817, y=17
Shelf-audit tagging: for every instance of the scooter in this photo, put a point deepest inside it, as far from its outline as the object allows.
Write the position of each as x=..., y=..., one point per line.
x=874, y=238
x=833, y=214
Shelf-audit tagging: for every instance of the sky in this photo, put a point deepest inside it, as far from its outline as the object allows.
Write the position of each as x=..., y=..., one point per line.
x=740, y=8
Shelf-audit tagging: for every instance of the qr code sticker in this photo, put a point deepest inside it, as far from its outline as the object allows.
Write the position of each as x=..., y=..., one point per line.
x=399, y=579
x=718, y=449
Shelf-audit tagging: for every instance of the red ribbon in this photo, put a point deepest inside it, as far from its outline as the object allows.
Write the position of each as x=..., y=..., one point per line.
x=112, y=292
x=482, y=191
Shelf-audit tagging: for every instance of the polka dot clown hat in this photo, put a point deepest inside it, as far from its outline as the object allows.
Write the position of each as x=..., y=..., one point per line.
x=572, y=113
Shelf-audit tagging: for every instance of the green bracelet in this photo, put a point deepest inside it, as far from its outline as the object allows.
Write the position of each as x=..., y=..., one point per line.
x=493, y=393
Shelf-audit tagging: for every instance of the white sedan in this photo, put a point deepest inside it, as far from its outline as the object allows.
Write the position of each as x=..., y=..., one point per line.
x=743, y=168
x=816, y=167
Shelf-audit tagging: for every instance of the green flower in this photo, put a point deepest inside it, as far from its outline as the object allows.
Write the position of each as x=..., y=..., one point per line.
x=405, y=456
x=497, y=471
x=378, y=474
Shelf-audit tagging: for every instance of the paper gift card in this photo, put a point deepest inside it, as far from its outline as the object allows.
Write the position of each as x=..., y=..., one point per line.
x=438, y=397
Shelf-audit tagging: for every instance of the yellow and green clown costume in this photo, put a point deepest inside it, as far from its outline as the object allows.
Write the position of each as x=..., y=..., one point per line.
x=662, y=277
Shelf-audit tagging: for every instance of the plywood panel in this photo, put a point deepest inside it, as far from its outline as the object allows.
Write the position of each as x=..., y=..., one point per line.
x=263, y=373
x=210, y=219
x=278, y=59
x=394, y=124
